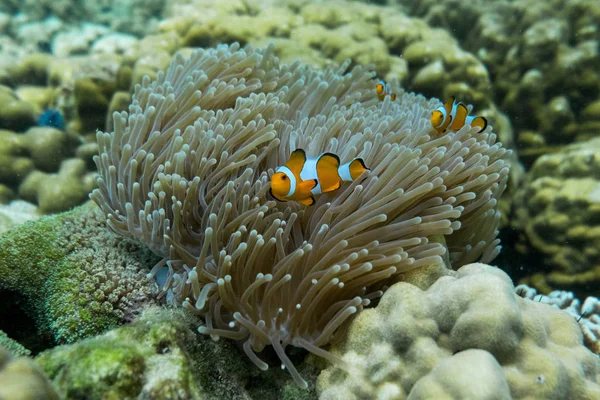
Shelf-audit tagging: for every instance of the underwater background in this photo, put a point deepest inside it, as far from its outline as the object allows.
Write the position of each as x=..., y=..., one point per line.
x=397, y=284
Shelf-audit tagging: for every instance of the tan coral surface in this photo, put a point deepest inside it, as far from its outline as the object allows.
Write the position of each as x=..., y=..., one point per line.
x=469, y=336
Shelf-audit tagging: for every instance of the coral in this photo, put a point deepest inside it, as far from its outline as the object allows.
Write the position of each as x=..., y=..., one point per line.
x=74, y=278
x=159, y=357
x=61, y=191
x=541, y=57
x=15, y=114
x=48, y=147
x=13, y=347
x=423, y=59
x=130, y=16
x=586, y=314
x=46, y=166
x=21, y=379
x=16, y=212
x=77, y=39
x=467, y=336
x=556, y=216
x=186, y=172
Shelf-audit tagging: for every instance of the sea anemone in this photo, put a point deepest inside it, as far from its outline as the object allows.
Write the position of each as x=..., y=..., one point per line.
x=187, y=172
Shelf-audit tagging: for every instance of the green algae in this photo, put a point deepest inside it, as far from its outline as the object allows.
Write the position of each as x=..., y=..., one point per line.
x=161, y=356
x=73, y=277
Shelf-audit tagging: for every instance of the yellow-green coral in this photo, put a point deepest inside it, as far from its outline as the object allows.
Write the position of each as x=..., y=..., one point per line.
x=74, y=278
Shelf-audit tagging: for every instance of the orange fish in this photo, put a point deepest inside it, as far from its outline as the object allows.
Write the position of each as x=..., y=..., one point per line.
x=383, y=89
x=453, y=116
x=302, y=178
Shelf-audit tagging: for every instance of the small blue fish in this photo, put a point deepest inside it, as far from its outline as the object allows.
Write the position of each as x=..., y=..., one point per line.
x=51, y=117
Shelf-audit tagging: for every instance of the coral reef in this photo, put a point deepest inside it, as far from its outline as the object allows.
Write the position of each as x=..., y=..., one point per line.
x=186, y=173
x=587, y=314
x=542, y=57
x=159, y=356
x=20, y=379
x=72, y=277
x=15, y=113
x=421, y=58
x=467, y=336
x=45, y=166
x=99, y=65
x=556, y=214
x=13, y=347
x=64, y=190
x=129, y=16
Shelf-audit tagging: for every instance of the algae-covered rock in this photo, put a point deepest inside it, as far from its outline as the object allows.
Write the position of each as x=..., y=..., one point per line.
x=467, y=336
x=15, y=114
x=21, y=379
x=557, y=213
x=29, y=165
x=161, y=356
x=74, y=279
x=61, y=191
x=48, y=147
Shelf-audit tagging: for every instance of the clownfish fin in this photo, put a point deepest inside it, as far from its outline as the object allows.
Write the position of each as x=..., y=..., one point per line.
x=306, y=186
x=393, y=96
x=308, y=201
x=327, y=172
x=357, y=167
x=460, y=117
x=296, y=161
x=479, y=122
x=276, y=197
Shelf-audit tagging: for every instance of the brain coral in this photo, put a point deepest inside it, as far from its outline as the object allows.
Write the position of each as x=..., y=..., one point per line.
x=187, y=172
x=468, y=336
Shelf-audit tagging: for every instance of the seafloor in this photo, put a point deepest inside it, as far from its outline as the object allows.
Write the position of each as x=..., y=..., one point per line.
x=464, y=265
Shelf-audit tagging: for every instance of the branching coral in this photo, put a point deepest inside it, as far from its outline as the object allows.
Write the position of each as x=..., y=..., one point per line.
x=187, y=172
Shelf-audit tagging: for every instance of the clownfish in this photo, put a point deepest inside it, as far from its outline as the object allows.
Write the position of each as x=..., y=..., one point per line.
x=383, y=89
x=453, y=115
x=302, y=178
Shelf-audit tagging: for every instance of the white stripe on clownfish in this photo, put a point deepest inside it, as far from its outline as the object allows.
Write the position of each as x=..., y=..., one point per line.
x=288, y=172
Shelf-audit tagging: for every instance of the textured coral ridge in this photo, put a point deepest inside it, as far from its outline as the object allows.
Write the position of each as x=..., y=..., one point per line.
x=187, y=172
x=73, y=278
x=468, y=336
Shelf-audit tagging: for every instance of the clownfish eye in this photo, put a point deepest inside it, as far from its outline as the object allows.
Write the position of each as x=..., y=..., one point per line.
x=284, y=177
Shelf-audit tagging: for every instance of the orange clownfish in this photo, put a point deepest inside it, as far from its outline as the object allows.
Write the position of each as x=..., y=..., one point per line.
x=383, y=89
x=302, y=178
x=453, y=116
